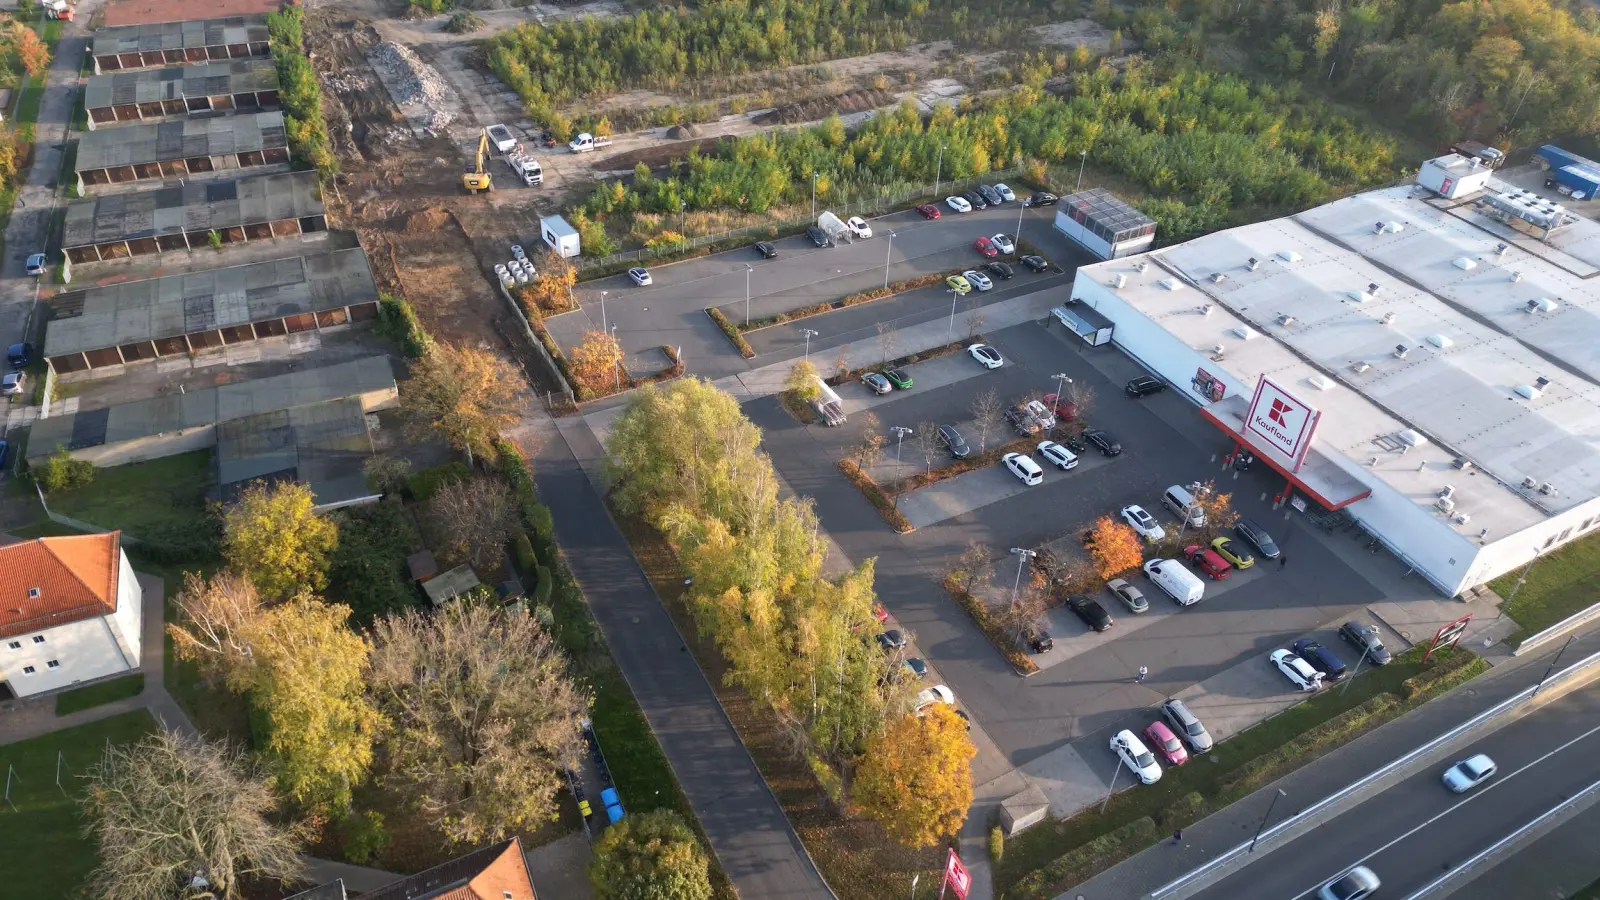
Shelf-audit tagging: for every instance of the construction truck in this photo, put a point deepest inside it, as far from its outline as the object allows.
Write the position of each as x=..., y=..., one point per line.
x=57, y=9
x=477, y=178
x=526, y=167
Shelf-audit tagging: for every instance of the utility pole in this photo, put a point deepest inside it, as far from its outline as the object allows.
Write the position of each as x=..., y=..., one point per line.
x=900, y=432
x=1523, y=577
x=809, y=334
x=886, y=256
x=603, y=311
x=1083, y=157
x=937, y=171
x=1018, y=236
x=1543, y=678
x=619, y=361
x=814, y=196
x=747, y=270
x=1263, y=825
x=1061, y=383
x=1113, y=788
x=951, y=331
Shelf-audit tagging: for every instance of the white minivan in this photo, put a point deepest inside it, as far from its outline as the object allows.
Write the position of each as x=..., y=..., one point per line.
x=1178, y=582
x=1184, y=506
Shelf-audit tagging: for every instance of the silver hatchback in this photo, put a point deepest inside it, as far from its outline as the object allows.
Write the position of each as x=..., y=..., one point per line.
x=1185, y=724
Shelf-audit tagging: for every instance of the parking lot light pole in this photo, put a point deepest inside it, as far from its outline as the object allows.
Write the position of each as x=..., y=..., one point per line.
x=1083, y=157
x=900, y=432
x=1022, y=558
x=937, y=171
x=1113, y=788
x=1523, y=577
x=814, y=174
x=619, y=361
x=603, y=311
x=1359, y=660
x=747, y=270
x=953, y=297
x=809, y=334
x=1018, y=236
x=1061, y=383
x=886, y=256
x=1262, y=827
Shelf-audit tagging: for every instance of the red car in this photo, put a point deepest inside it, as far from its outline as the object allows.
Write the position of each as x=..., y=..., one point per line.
x=1065, y=410
x=929, y=211
x=879, y=613
x=1164, y=742
x=986, y=247
x=1208, y=561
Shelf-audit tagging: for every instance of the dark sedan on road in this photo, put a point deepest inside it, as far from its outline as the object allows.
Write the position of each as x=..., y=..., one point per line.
x=1257, y=537
x=1036, y=263
x=19, y=355
x=891, y=640
x=991, y=195
x=1366, y=641
x=1091, y=612
x=1144, y=386
x=766, y=250
x=1042, y=198
x=1100, y=440
x=1321, y=658
x=1000, y=270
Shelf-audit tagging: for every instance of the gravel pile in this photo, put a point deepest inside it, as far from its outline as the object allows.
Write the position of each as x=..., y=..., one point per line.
x=414, y=81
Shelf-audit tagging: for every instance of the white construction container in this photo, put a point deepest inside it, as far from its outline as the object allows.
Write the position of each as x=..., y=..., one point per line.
x=1453, y=175
x=560, y=236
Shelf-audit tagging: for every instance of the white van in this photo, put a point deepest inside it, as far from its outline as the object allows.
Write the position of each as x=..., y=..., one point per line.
x=1178, y=582
x=1184, y=506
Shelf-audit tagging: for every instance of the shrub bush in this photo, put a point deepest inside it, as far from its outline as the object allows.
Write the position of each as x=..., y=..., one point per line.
x=739, y=343
x=997, y=843
x=60, y=472
x=525, y=557
x=875, y=495
x=179, y=542
x=543, y=590
x=299, y=92
x=398, y=324
x=424, y=483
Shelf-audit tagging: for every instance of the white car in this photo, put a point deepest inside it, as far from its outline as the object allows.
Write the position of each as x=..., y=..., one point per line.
x=11, y=384
x=1143, y=522
x=1469, y=773
x=1135, y=756
x=936, y=694
x=1356, y=884
x=977, y=279
x=858, y=227
x=1057, y=455
x=1297, y=670
x=1006, y=193
x=958, y=204
x=640, y=275
x=1024, y=468
x=987, y=356
x=1005, y=243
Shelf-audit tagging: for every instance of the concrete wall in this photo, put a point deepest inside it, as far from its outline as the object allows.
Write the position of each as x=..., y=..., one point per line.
x=130, y=611
x=1513, y=551
x=85, y=650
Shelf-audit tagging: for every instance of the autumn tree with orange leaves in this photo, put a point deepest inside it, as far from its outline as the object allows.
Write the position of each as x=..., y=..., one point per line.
x=915, y=778
x=1115, y=547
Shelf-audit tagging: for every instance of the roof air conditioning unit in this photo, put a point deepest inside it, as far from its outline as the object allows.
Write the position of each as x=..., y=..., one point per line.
x=1400, y=351
x=1500, y=249
x=1461, y=518
x=1243, y=332
x=1530, y=482
x=1388, y=318
x=1440, y=341
x=1541, y=382
x=1372, y=288
x=1377, y=228
x=1290, y=256
x=1445, y=505
x=1473, y=162
x=1320, y=382
x=1527, y=392
x=1217, y=351
x=1121, y=281
x=1360, y=366
x=1218, y=278
x=1372, y=461
x=1447, y=492
x=1252, y=264
x=1172, y=284
x=1516, y=277
x=1465, y=264
x=1208, y=309
x=1548, y=489
x=1463, y=464
x=1286, y=320
x=1143, y=265
x=1483, y=534
x=1532, y=307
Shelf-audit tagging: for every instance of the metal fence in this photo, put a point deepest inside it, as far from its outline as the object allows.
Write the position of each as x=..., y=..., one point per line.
x=79, y=524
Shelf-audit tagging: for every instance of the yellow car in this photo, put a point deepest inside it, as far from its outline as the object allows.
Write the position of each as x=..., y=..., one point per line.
x=1233, y=552
x=959, y=285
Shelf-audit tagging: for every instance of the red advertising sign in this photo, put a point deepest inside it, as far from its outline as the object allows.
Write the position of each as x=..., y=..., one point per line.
x=1281, y=422
x=956, y=876
x=1208, y=386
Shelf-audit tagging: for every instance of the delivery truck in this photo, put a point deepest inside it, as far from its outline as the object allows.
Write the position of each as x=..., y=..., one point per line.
x=527, y=168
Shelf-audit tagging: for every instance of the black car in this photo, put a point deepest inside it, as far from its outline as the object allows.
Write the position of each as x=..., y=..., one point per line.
x=1036, y=263
x=1105, y=443
x=1039, y=640
x=1000, y=270
x=1043, y=198
x=952, y=440
x=991, y=195
x=1145, y=385
x=1257, y=537
x=19, y=355
x=1091, y=612
x=891, y=639
x=1321, y=658
x=766, y=250
x=976, y=199
x=819, y=237
x=1366, y=641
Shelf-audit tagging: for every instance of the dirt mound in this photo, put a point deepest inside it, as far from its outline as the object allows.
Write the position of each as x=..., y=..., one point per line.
x=685, y=132
x=427, y=221
x=823, y=107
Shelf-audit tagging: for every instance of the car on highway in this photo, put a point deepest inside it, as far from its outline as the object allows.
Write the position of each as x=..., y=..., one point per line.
x=1131, y=751
x=1257, y=537
x=936, y=694
x=959, y=285
x=640, y=276
x=951, y=440
x=977, y=279
x=1036, y=263
x=1366, y=641
x=1131, y=597
x=999, y=270
x=1187, y=725
x=1356, y=884
x=1057, y=455
x=1469, y=773
x=1143, y=523
x=915, y=666
x=891, y=640
x=1091, y=612
x=1024, y=468
x=819, y=237
x=1206, y=560
x=987, y=356
x=1006, y=193
x=19, y=355
x=35, y=264
x=876, y=383
x=986, y=247
x=858, y=227
x=1144, y=386
x=1102, y=441
x=767, y=250
x=991, y=195
x=1042, y=198
x=900, y=378
x=1234, y=552
x=977, y=200
x=1038, y=640
x=958, y=204
x=1321, y=658
x=1297, y=670
x=1166, y=743
x=1005, y=243
x=929, y=211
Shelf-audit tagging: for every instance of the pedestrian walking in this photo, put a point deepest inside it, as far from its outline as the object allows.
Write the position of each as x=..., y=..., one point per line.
x=1283, y=561
x=1177, y=836
x=1142, y=673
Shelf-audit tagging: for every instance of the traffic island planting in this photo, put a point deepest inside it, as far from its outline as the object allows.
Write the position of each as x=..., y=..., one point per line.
x=732, y=331
x=992, y=630
x=817, y=309
x=876, y=496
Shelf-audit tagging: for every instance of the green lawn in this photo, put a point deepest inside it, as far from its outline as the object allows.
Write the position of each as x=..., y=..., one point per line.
x=1559, y=584
x=155, y=496
x=43, y=839
x=99, y=694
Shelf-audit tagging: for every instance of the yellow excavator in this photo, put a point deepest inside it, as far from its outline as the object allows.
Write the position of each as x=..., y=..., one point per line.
x=477, y=177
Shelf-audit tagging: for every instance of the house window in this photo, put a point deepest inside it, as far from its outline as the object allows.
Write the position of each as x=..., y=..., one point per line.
x=33, y=593
x=27, y=670
x=53, y=664
x=38, y=639
x=1564, y=535
x=1549, y=541
x=15, y=645
x=1586, y=524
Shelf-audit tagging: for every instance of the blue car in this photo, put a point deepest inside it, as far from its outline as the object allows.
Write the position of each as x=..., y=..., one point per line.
x=1320, y=658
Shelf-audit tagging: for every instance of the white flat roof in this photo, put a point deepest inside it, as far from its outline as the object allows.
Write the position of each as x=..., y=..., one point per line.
x=1454, y=304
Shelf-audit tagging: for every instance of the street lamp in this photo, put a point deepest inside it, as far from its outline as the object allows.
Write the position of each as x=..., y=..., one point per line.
x=1523, y=577
x=747, y=270
x=618, y=380
x=603, y=311
x=814, y=194
x=1113, y=788
x=1083, y=157
x=1061, y=381
x=1263, y=825
x=938, y=170
x=1018, y=235
x=1022, y=558
x=900, y=432
x=809, y=334
x=953, y=297
x=886, y=257
x=1552, y=668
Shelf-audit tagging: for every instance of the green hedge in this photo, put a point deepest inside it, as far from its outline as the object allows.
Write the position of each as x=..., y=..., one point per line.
x=299, y=92
x=525, y=557
x=1097, y=855
x=541, y=591
x=398, y=324
x=728, y=328
x=424, y=483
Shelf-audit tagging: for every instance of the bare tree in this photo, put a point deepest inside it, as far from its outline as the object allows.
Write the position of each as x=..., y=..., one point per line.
x=986, y=409
x=1081, y=396
x=927, y=444
x=386, y=473
x=970, y=569
x=870, y=453
x=174, y=816
x=218, y=620
x=1024, y=606
x=475, y=517
x=888, y=343
x=974, y=316
x=484, y=717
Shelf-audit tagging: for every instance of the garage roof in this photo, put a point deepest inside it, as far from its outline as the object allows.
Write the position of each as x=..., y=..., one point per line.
x=323, y=445
x=180, y=35
x=180, y=82
x=182, y=139
x=190, y=207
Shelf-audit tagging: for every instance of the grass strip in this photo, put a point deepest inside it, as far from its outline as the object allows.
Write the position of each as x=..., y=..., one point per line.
x=1101, y=853
x=99, y=694
x=729, y=329
x=1559, y=585
x=817, y=309
x=845, y=375
x=961, y=466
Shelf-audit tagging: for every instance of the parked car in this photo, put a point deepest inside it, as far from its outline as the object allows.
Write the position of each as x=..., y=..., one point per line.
x=1187, y=725
x=1166, y=743
x=985, y=247
x=1143, y=523
x=1234, y=552
x=1469, y=773
x=5, y=453
x=1006, y=193
x=858, y=227
x=876, y=383
x=900, y=378
x=987, y=356
x=1102, y=441
x=959, y=285
x=1321, y=658
x=1057, y=455
x=915, y=666
x=1144, y=386
x=1257, y=537
x=1091, y=612
x=951, y=440
x=999, y=270
x=11, y=383
x=928, y=210
x=1133, y=754
x=1038, y=640
x=640, y=276
x=1036, y=263
x=1024, y=468
x=1005, y=243
x=1366, y=641
x=819, y=237
x=991, y=195
x=1305, y=677
x=1065, y=410
x=1356, y=884
x=936, y=694
x=976, y=199
x=956, y=204
x=879, y=613
x=891, y=640
x=977, y=279
x=35, y=264
x=19, y=355
x=1042, y=198
x=767, y=251
x=1131, y=597
x=1208, y=561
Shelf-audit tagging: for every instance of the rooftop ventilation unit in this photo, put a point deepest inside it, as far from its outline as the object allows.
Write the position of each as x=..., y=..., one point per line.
x=1121, y=281
x=1463, y=464
x=1377, y=227
x=1542, y=382
x=1530, y=482
x=1445, y=505
x=1217, y=351
x=1252, y=264
x=1461, y=518
x=1543, y=304
x=1320, y=382
x=1290, y=256
x=1500, y=249
x=1360, y=366
x=1208, y=309
x=1218, y=278
x=1243, y=332
x=1410, y=438
x=1447, y=492
x=1527, y=391
x=1143, y=265
x=1286, y=320
x=1172, y=284
x=1372, y=288
x=1401, y=351
x=1516, y=277
x=1548, y=489
x=1526, y=206
x=1388, y=318
x=1483, y=534
x=1440, y=341
x=1465, y=264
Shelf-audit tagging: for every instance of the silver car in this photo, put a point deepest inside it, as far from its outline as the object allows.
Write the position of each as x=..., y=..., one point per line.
x=1469, y=773
x=1131, y=597
x=1355, y=884
x=1185, y=724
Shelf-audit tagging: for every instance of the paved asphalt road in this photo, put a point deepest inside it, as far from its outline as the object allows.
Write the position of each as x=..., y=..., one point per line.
x=1412, y=833
x=1555, y=866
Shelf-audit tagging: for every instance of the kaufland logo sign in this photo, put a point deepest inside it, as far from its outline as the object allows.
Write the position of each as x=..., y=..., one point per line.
x=1281, y=422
